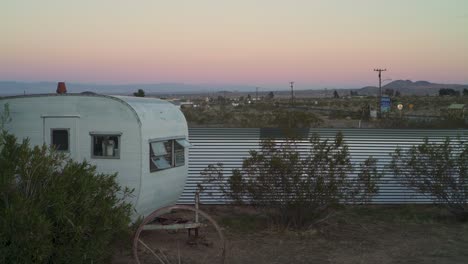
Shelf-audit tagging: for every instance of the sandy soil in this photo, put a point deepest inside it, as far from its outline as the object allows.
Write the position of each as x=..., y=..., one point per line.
x=389, y=234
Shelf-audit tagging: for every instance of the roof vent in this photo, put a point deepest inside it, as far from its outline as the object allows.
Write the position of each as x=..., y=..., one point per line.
x=61, y=88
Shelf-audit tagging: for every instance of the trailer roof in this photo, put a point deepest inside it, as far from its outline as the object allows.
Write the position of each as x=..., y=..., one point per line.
x=144, y=108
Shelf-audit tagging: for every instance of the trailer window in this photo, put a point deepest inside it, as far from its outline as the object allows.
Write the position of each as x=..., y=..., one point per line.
x=167, y=154
x=60, y=139
x=179, y=154
x=105, y=146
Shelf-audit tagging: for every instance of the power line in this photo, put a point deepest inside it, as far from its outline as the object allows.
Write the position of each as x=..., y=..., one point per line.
x=292, y=93
x=380, y=90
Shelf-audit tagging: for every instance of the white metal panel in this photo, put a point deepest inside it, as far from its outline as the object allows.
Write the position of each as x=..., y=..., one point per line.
x=95, y=114
x=230, y=146
x=159, y=120
x=135, y=120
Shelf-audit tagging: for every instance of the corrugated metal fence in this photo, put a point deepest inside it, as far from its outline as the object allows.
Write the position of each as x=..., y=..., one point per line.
x=230, y=146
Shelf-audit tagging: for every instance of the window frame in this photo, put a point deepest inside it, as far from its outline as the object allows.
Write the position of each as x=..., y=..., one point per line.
x=108, y=134
x=173, y=164
x=68, y=150
x=174, y=142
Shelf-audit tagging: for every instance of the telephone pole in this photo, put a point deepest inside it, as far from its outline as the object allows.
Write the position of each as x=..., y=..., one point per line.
x=379, y=111
x=256, y=94
x=292, y=93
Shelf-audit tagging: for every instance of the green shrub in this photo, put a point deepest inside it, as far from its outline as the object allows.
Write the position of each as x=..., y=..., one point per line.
x=294, y=189
x=438, y=171
x=295, y=119
x=55, y=210
x=139, y=93
x=446, y=123
x=257, y=115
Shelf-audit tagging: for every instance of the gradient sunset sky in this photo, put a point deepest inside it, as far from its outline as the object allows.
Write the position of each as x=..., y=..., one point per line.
x=316, y=43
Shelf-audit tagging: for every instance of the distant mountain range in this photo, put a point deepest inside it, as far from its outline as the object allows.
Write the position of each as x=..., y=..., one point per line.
x=16, y=88
x=405, y=87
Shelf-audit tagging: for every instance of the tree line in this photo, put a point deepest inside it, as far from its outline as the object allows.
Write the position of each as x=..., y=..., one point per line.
x=452, y=92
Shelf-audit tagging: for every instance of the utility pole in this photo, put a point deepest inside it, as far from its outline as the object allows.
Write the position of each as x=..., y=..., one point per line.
x=256, y=94
x=292, y=93
x=379, y=111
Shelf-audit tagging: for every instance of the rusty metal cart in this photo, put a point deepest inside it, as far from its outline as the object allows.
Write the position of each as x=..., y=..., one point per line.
x=163, y=220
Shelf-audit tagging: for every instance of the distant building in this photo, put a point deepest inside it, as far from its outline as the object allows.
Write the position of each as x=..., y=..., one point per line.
x=180, y=103
x=187, y=105
x=456, y=111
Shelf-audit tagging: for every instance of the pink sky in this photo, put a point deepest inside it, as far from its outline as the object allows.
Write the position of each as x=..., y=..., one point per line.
x=314, y=43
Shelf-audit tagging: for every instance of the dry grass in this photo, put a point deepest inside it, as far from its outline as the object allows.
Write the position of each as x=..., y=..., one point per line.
x=366, y=234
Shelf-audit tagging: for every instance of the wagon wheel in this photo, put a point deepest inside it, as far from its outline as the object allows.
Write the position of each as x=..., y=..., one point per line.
x=177, y=234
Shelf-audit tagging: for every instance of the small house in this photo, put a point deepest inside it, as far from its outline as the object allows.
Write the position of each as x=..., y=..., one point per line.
x=456, y=111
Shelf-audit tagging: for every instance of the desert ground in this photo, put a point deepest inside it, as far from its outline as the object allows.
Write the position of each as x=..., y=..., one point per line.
x=363, y=234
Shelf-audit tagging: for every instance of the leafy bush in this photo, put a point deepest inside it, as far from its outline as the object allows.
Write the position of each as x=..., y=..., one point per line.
x=449, y=92
x=447, y=123
x=5, y=116
x=438, y=171
x=139, y=93
x=342, y=114
x=54, y=210
x=295, y=119
x=258, y=115
x=294, y=189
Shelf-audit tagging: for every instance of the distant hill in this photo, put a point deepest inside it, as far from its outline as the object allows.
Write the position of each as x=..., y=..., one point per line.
x=408, y=87
x=405, y=87
x=16, y=88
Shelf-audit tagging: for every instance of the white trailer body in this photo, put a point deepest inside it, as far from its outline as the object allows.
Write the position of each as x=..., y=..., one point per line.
x=144, y=140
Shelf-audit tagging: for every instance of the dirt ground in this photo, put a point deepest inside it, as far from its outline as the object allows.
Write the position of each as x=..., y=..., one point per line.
x=367, y=234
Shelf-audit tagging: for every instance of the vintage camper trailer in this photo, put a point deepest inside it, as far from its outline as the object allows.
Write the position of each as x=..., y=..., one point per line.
x=144, y=140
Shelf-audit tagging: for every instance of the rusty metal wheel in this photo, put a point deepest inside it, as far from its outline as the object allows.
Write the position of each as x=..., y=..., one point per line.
x=179, y=234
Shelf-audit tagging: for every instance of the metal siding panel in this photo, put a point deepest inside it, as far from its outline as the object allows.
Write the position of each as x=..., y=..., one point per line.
x=231, y=145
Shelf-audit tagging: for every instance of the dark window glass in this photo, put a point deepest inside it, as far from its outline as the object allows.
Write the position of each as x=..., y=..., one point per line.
x=179, y=153
x=105, y=146
x=60, y=139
